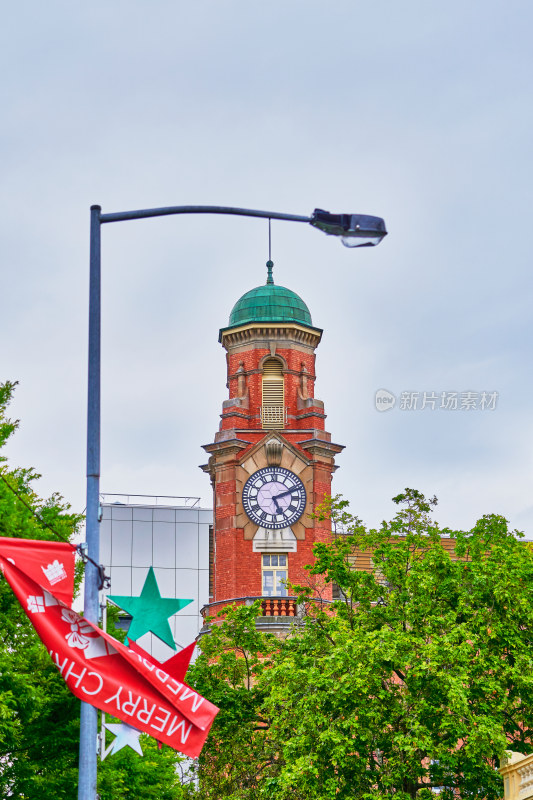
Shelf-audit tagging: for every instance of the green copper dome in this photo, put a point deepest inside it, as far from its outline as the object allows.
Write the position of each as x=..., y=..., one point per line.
x=270, y=303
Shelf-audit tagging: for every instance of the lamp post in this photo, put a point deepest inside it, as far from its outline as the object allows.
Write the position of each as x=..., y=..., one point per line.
x=355, y=230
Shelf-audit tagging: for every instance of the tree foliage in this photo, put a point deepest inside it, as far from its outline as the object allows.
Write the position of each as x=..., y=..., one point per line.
x=39, y=717
x=414, y=683
x=229, y=670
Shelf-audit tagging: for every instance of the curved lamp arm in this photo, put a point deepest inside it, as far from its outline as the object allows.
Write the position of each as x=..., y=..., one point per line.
x=355, y=230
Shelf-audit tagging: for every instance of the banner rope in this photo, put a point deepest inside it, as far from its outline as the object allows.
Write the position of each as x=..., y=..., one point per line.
x=104, y=580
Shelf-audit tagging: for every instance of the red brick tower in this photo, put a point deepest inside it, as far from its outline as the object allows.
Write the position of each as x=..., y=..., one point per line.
x=272, y=461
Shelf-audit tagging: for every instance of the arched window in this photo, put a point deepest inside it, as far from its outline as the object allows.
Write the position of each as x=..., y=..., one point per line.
x=273, y=399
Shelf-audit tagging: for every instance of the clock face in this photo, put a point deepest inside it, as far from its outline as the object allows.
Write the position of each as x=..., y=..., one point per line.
x=274, y=498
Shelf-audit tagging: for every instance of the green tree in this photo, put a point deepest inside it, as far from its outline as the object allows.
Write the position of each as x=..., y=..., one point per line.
x=238, y=751
x=414, y=683
x=39, y=717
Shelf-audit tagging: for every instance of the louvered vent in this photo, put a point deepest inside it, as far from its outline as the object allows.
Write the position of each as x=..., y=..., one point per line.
x=273, y=411
x=272, y=369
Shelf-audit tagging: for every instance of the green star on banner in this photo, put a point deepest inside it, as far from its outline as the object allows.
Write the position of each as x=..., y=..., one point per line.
x=150, y=611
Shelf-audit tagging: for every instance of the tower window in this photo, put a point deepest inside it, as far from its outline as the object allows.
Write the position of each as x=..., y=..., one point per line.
x=274, y=569
x=273, y=399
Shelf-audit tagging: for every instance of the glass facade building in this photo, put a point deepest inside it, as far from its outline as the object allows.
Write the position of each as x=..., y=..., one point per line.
x=171, y=534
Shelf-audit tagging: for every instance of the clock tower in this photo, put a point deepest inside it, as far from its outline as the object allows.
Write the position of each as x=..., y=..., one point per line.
x=272, y=460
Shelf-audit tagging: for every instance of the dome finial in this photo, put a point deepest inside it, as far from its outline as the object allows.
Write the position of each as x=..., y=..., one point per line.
x=270, y=267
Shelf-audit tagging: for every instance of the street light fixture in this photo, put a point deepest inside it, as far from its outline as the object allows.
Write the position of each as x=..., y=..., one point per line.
x=355, y=231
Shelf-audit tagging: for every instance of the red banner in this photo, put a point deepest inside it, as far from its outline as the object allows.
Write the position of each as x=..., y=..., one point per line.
x=125, y=683
x=176, y=666
x=50, y=564
x=192, y=705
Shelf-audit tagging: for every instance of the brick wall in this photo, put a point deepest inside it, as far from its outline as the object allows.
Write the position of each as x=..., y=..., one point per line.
x=251, y=362
x=237, y=569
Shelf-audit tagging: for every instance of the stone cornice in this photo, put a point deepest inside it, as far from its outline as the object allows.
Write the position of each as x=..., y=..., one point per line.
x=238, y=416
x=266, y=332
x=318, y=447
x=319, y=414
x=226, y=447
x=259, y=371
x=292, y=447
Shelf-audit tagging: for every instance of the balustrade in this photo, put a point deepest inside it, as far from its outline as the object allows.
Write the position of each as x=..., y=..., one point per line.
x=278, y=606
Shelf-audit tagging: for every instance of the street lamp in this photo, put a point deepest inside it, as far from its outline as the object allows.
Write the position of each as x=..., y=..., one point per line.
x=355, y=230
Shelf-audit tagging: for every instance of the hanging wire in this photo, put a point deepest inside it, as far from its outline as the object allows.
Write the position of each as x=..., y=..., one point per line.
x=104, y=580
x=270, y=263
x=31, y=510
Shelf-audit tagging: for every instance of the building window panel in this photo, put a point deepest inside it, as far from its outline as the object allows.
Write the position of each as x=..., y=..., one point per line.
x=274, y=569
x=141, y=551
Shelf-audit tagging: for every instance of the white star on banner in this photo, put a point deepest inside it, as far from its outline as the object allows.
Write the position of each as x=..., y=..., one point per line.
x=126, y=736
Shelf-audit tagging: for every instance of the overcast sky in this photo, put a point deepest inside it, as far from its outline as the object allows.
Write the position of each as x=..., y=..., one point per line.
x=420, y=112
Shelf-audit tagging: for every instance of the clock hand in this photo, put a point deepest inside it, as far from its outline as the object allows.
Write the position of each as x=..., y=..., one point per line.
x=278, y=509
x=284, y=494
